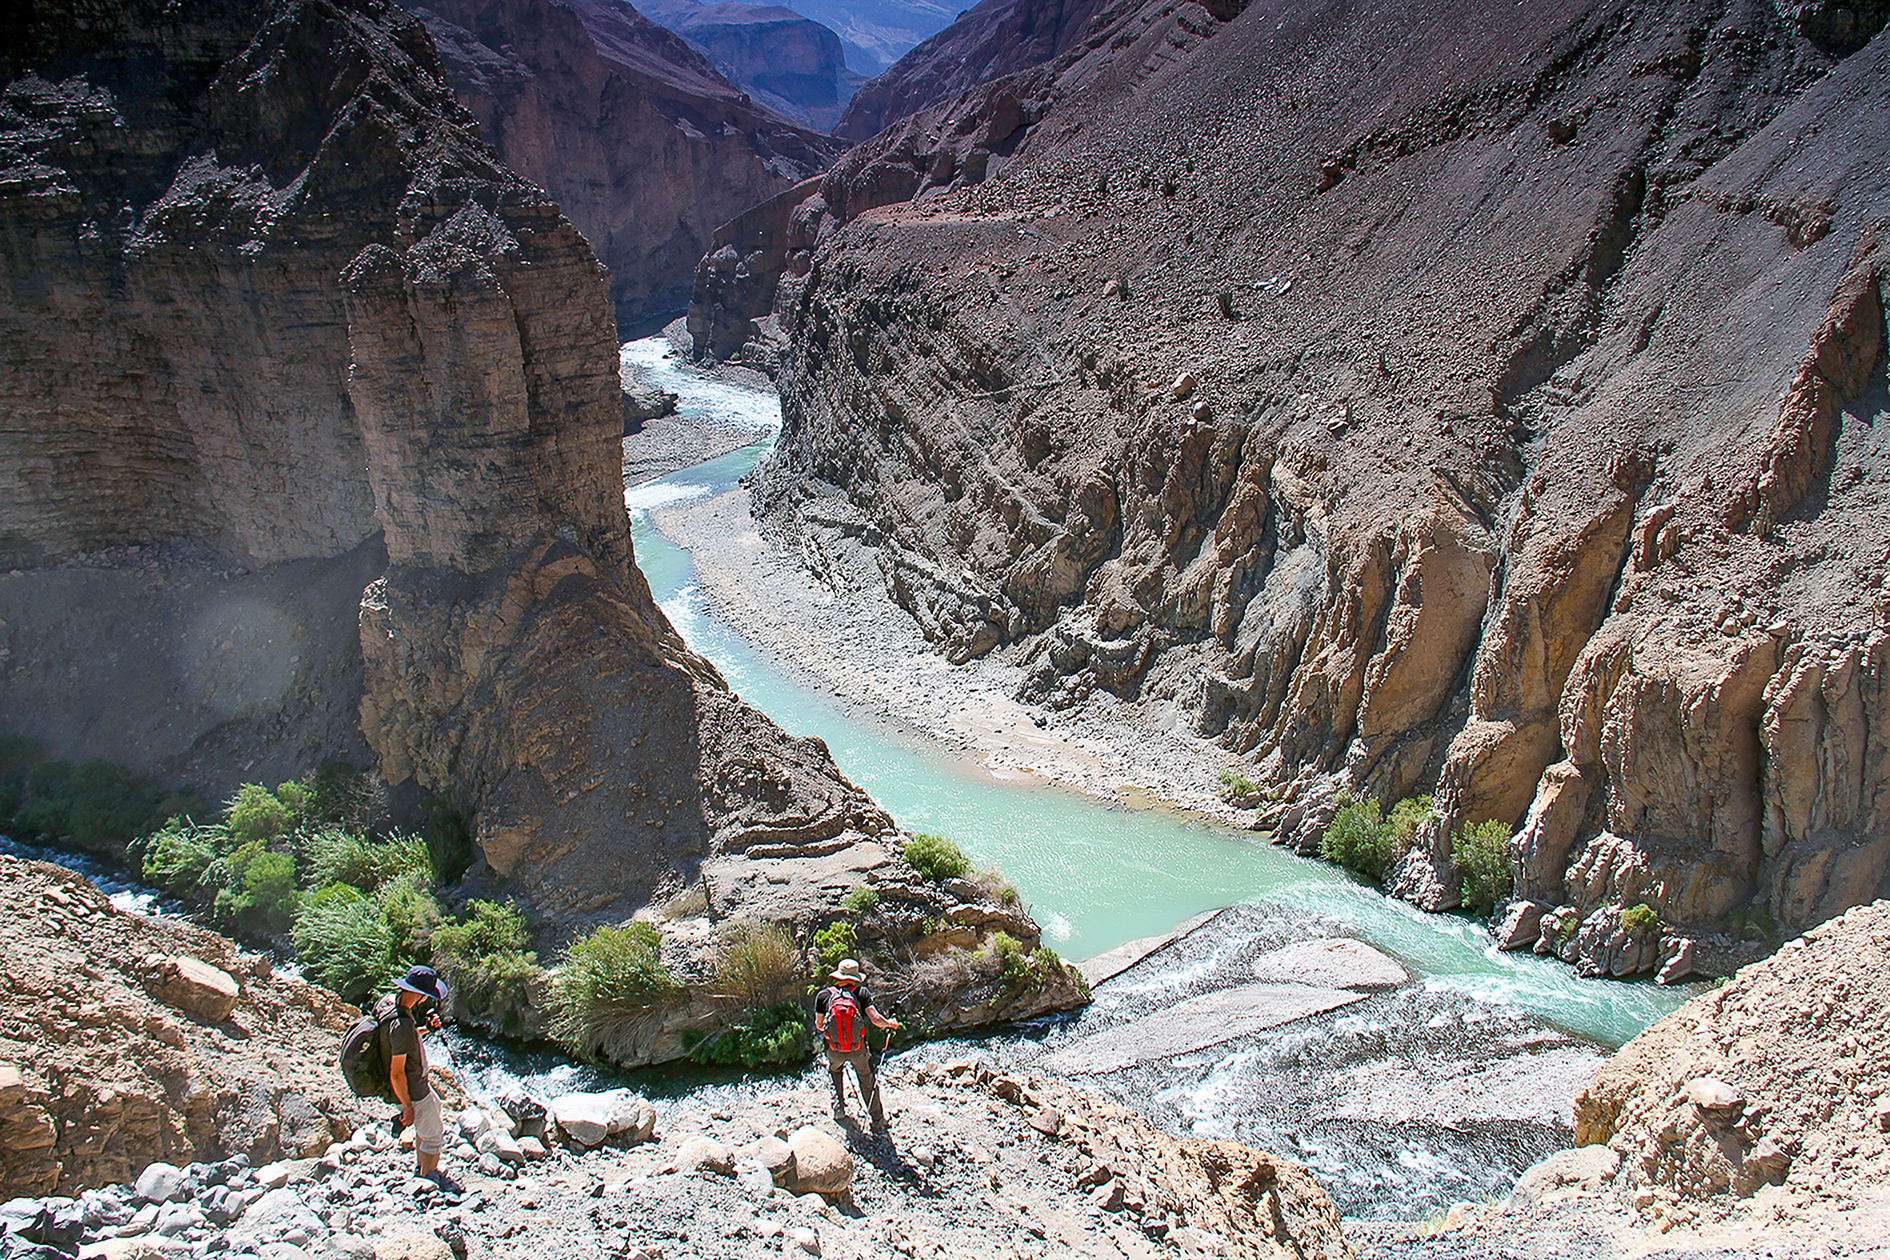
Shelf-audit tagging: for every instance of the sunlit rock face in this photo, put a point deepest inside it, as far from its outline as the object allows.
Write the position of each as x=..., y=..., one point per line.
x=1415, y=399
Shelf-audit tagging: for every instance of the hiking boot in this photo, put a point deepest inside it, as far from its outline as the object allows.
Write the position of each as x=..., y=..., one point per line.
x=444, y=1183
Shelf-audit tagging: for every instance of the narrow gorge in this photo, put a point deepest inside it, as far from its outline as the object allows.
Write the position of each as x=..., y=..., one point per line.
x=1416, y=399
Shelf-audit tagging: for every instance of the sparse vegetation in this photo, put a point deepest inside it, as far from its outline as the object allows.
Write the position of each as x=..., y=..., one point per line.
x=1639, y=917
x=861, y=900
x=1480, y=852
x=1235, y=786
x=1000, y=890
x=936, y=857
x=834, y=942
x=691, y=903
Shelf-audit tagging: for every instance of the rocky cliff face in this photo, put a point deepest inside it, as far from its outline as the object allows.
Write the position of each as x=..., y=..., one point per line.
x=988, y=41
x=791, y=64
x=128, y=1039
x=641, y=142
x=1500, y=430
x=316, y=406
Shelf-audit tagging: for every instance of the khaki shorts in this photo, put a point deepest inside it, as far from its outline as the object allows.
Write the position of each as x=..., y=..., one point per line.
x=429, y=1131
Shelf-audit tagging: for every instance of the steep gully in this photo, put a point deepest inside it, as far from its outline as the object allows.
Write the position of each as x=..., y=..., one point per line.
x=1519, y=447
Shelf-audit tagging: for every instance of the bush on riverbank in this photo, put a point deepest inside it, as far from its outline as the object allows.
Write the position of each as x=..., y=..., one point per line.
x=936, y=857
x=609, y=987
x=777, y=1036
x=1360, y=839
x=1480, y=852
x=95, y=805
x=487, y=962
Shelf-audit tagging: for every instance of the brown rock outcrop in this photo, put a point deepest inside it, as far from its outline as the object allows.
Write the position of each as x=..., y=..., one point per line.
x=641, y=142
x=1497, y=477
x=109, y=1059
x=1762, y=1099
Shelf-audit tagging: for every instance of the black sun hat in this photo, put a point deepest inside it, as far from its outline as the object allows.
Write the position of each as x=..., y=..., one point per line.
x=426, y=982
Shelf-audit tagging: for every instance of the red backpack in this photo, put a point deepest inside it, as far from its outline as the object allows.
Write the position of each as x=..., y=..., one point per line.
x=846, y=1024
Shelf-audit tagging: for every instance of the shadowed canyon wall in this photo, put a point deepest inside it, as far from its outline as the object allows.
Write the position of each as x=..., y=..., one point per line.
x=632, y=131
x=312, y=436
x=1416, y=397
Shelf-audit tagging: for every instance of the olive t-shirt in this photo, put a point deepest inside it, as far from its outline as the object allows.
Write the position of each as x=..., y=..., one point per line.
x=404, y=1038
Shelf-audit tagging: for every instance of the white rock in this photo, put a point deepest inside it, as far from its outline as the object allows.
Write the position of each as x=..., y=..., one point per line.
x=533, y=1148
x=584, y=1118
x=1335, y=962
x=806, y=1238
x=273, y=1176
x=1709, y=1093
x=704, y=1154
x=160, y=1183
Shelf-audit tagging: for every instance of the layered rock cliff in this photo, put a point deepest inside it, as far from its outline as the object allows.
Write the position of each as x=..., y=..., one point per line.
x=987, y=41
x=791, y=64
x=313, y=428
x=641, y=142
x=1416, y=398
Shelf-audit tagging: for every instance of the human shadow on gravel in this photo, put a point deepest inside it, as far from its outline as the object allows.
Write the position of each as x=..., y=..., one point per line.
x=879, y=1151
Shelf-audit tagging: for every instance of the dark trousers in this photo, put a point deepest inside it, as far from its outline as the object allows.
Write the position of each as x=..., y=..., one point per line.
x=862, y=1061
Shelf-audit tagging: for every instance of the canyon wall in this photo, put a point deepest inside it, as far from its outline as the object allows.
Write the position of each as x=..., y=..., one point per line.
x=1416, y=398
x=635, y=135
x=791, y=64
x=988, y=41
x=313, y=428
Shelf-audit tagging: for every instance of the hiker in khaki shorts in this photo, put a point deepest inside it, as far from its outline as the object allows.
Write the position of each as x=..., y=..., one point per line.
x=841, y=1012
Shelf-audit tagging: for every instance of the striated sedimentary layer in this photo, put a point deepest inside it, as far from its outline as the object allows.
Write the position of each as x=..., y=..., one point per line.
x=313, y=442
x=638, y=138
x=1415, y=398
x=128, y=1039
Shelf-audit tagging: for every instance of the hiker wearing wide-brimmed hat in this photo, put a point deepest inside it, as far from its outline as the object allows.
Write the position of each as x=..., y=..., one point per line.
x=841, y=1013
x=417, y=1001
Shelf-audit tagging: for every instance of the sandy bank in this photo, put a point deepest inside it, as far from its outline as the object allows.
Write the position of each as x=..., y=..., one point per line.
x=848, y=638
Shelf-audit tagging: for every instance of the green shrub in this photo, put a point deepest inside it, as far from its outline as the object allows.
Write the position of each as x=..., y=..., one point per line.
x=1480, y=852
x=1638, y=918
x=177, y=857
x=18, y=756
x=776, y=1036
x=261, y=895
x=609, y=983
x=333, y=856
x=755, y=963
x=1361, y=839
x=936, y=857
x=345, y=797
x=861, y=900
x=343, y=942
x=1014, y=961
x=835, y=942
x=411, y=913
x=1235, y=785
x=96, y=804
x=254, y=813
x=487, y=959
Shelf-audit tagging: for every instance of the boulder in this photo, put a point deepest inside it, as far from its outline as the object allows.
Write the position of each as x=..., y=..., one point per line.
x=821, y=1164
x=409, y=1242
x=501, y=1145
x=193, y=987
x=1521, y=927
x=1195, y=1024
x=1334, y=962
x=583, y=1118
x=160, y=1183
x=700, y=1153
x=279, y=1216
x=776, y=1157
x=1711, y=1094
x=632, y=1118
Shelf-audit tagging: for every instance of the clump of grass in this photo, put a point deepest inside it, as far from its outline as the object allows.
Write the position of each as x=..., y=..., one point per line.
x=936, y=857
x=610, y=980
x=1639, y=918
x=998, y=889
x=755, y=963
x=344, y=943
x=690, y=903
x=1236, y=786
x=1480, y=852
x=861, y=900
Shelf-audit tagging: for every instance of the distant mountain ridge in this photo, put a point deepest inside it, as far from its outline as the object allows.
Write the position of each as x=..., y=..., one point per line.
x=791, y=64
